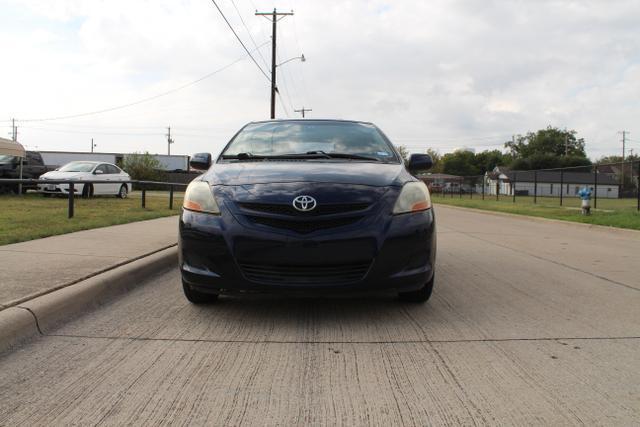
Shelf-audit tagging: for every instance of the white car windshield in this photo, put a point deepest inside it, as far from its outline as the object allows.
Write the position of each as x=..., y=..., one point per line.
x=78, y=167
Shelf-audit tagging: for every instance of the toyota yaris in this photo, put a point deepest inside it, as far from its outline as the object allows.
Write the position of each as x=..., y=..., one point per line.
x=307, y=206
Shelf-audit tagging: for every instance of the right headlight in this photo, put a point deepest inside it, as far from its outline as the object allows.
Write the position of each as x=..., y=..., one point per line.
x=199, y=198
x=414, y=197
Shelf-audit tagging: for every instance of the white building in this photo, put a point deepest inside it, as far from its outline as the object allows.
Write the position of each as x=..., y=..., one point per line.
x=59, y=158
x=549, y=183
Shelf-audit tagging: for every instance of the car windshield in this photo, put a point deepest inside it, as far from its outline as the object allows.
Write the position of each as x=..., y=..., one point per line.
x=350, y=140
x=77, y=167
x=7, y=159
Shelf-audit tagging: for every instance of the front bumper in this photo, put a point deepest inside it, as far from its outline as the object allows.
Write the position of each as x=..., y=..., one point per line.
x=218, y=254
x=59, y=188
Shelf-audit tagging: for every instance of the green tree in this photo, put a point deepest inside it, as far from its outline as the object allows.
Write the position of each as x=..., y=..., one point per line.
x=551, y=141
x=460, y=163
x=487, y=160
x=437, y=160
x=143, y=167
x=404, y=153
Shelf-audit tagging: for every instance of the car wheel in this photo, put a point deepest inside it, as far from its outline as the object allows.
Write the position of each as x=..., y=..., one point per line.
x=421, y=295
x=123, y=192
x=87, y=191
x=196, y=297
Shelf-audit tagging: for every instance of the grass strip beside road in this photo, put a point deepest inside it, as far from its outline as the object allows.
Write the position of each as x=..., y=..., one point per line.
x=34, y=216
x=619, y=213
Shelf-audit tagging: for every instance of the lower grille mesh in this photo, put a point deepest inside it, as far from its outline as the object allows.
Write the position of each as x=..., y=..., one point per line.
x=309, y=275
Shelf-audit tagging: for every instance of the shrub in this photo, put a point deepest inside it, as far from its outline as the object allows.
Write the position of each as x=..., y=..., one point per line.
x=143, y=167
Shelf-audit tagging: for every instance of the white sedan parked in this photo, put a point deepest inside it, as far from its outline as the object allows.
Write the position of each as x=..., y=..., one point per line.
x=88, y=171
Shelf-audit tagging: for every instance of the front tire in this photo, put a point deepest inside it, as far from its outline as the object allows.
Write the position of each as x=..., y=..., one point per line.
x=196, y=297
x=124, y=191
x=419, y=296
x=87, y=191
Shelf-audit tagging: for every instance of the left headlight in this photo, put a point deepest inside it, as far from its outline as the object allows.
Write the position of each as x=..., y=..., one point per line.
x=199, y=198
x=414, y=197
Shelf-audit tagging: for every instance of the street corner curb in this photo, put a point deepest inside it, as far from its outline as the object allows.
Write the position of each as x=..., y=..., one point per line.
x=16, y=325
x=51, y=310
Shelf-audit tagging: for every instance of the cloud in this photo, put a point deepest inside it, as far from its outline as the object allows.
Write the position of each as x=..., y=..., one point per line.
x=428, y=73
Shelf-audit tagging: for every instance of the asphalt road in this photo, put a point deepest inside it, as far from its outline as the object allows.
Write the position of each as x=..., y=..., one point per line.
x=532, y=322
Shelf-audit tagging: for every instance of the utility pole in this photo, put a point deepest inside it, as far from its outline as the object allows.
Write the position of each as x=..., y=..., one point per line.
x=624, y=150
x=169, y=141
x=274, y=19
x=303, y=111
x=14, y=137
x=93, y=145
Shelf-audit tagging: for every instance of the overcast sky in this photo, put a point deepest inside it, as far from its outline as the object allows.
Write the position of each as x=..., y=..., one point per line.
x=432, y=74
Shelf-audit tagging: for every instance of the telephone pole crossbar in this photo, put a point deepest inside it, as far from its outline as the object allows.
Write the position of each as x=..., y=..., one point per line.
x=275, y=17
x=303, y=110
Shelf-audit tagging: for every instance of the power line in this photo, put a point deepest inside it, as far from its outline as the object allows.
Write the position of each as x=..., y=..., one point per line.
x=285, y=85
x=151, y=98
x=91, y=132
x=284, y=107
x=266, y=65
x=240, y=40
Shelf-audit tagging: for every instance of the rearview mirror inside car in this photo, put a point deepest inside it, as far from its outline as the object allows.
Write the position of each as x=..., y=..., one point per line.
x=419, y=162
x=200, y=161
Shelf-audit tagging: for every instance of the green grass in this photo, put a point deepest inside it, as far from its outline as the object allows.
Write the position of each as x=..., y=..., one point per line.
x=620, y=213
x=34, y=216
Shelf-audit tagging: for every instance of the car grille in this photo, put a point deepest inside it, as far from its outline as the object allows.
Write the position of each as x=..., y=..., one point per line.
x=305, y=274
x=321, y=209
x=304, y=226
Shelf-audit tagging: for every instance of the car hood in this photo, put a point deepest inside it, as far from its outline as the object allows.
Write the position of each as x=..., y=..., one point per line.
x=339, y=172
x=64, y=175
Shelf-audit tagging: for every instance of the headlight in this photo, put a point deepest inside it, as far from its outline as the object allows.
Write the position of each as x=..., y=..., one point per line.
x=414, y=197
x=199, y=198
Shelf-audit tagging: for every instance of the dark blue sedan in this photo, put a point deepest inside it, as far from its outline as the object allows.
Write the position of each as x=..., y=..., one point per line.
x=307, y=206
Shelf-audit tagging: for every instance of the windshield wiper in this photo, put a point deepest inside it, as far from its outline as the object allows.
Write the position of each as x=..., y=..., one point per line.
x=318, y=154
x=250, y=156
x=343, y=156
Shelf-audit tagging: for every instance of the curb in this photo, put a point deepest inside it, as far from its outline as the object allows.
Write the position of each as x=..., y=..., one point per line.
x=47, y=312
x=543, y=219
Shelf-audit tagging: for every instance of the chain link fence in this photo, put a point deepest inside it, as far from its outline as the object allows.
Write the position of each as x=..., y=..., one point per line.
x=613, y=185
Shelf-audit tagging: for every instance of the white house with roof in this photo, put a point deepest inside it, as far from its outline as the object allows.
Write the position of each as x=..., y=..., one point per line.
x=549, y=183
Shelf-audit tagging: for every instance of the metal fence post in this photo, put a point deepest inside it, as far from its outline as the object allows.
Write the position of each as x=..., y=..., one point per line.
x=71, y=198
x=513, y=187
x=483, y=188
x=561, y=185
x=498, y=189
x=595, y=187
x=535, y=186
x=171, y=197
x=637, y=185
x=144, y=197
x=460, y=188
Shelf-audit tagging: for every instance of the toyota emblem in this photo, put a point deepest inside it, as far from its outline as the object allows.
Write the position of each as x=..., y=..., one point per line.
x=304, y=203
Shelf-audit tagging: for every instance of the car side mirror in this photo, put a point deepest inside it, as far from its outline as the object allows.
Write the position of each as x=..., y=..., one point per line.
x=419, y=162
x=98, y=172
x=200, y=161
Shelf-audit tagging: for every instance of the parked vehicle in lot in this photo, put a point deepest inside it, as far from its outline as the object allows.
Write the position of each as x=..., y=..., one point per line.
x=307, y=205
x=88, y=171
x=32, y=168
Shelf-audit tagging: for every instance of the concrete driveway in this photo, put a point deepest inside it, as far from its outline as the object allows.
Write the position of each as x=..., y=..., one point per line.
x=532, y=322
